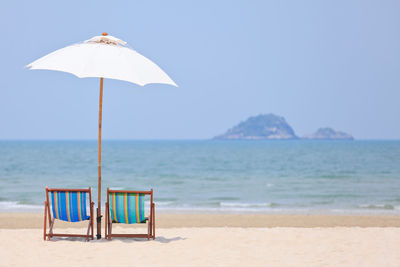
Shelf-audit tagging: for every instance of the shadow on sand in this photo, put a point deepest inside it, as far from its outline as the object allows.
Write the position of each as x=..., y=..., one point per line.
x=159, y=239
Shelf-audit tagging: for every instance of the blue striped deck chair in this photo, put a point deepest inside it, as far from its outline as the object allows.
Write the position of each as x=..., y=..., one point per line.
x=128, y=207
x=69, y=205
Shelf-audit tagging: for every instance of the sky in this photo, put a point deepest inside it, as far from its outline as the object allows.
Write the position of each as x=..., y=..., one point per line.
x=316, y=63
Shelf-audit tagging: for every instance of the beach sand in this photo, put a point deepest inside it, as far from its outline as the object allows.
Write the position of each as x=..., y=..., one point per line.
x=212, y=240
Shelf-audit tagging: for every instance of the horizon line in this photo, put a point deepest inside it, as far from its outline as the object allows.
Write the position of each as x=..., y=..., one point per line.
x=191, y=139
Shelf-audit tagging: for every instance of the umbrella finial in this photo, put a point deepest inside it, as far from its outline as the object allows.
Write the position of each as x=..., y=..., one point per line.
x=105, y=34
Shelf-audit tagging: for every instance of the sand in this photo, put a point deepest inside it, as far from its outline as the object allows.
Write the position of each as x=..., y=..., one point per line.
x=213, y=240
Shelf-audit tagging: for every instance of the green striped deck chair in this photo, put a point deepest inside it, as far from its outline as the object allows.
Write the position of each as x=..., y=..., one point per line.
x=128, y=207
x=69, y=205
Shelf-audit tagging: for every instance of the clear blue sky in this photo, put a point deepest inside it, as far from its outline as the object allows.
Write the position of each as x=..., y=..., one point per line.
x=317, y=63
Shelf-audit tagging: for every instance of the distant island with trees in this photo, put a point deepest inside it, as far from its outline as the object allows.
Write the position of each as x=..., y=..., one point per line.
x=273, y=127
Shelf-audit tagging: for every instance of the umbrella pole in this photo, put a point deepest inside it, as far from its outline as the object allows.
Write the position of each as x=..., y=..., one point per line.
x=99, y=164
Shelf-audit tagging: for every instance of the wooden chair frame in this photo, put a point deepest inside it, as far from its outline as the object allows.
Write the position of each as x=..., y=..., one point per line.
x=47, y=215
x=150, y=220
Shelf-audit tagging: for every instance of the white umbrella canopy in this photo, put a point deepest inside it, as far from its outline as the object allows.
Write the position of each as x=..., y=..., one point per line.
x=104, y=57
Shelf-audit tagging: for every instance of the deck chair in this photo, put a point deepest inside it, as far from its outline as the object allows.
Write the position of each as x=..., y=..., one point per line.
x=68, y=205
x=128, y=207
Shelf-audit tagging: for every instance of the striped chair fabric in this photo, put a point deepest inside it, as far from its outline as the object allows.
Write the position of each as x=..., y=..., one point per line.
x=69, y=206
x=127, y=208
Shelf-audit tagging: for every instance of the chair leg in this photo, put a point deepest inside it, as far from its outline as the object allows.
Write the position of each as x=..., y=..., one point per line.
x=109, y=224
x=106, y=221
x=91, y=218
x=153, y=222
x=48, y=213
x=45, y=220
x=89, y=233
x=88, y=230
x=148, y=229
x=50, y=229
x=109, y=228
x=150, y=223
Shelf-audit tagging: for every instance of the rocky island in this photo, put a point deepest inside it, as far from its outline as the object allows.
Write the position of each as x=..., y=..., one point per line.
x=261, y=127
x=328, y=134
x=273, y=127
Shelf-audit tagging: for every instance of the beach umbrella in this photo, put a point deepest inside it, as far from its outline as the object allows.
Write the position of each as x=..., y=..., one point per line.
x=103, y=56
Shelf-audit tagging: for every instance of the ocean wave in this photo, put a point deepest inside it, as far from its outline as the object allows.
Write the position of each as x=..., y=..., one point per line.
x=17, y=206
x=224, y=198
x=116, y=188
x=248, y=205
x=163, y=203
x=397, y=199
x=195, y=209
x=377, y=206
x=322, y=202
x=217, y=206
x=241, y=207
x=166, y=199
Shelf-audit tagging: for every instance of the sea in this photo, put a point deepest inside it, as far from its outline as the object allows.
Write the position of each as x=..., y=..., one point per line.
x=210, y=176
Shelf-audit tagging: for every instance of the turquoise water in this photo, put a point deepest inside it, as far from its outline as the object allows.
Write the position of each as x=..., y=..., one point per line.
x=213, y=176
